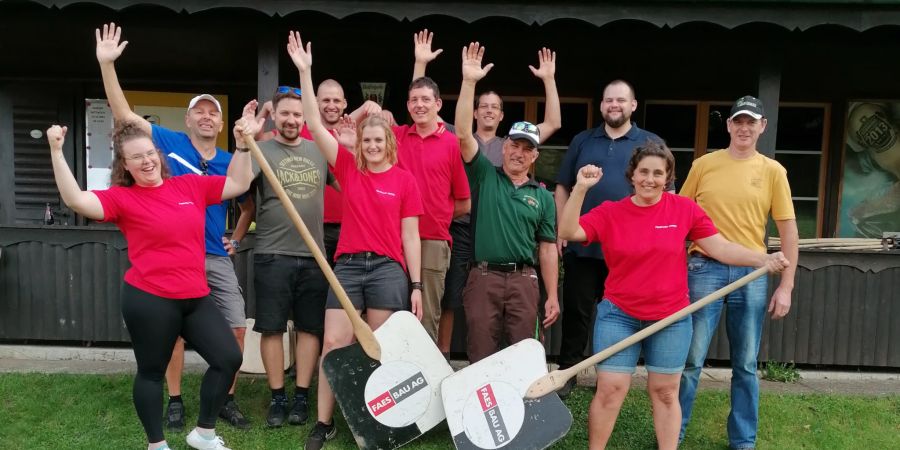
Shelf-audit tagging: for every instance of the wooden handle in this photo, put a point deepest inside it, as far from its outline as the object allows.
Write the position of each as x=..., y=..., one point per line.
x=556, y=379
x=361, y=329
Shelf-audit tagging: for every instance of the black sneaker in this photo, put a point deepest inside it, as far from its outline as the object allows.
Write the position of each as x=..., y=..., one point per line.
x=319, y=434
x=175, y=417
x=277, y=412
x=300, y=412
x=566, y=389
x=231, y=414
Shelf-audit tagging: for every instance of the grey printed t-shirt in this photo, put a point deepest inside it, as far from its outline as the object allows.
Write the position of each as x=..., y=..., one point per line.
x=303, y=173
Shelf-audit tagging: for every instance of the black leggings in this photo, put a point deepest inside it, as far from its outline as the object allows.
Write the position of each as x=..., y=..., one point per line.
x=154, y=324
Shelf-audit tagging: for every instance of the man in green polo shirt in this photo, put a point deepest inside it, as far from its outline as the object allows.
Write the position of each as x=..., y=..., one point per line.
x=514, y=215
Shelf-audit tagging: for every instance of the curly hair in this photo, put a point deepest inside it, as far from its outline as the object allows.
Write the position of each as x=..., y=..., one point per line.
x=123, y=133
x=390, y=141
x=652, y=148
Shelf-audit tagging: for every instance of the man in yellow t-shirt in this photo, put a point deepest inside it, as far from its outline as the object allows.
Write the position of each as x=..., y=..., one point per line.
x=738, y=187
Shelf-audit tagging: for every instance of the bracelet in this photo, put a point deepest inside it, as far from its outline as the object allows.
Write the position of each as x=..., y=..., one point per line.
x=242, y=150
x=415, y=285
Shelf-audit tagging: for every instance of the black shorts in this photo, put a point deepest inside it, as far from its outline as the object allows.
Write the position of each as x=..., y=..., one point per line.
x=288, y=283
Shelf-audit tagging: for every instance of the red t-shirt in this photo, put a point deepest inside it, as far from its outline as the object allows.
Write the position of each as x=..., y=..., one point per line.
x=333, y=200
x=437, y=165
x=645, y=251
x=163, y=226
x=374, y=205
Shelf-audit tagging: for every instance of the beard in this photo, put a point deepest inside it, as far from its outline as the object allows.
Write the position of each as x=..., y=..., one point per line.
x=289, y=133
x=616, y=122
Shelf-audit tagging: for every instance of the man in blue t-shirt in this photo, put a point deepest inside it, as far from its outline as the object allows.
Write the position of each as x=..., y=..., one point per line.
x=609, y=147
x=196, y=152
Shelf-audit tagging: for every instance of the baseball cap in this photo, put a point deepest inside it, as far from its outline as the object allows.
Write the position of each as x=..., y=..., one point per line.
x=748, y=105
x=527, y=131
x=196, y=99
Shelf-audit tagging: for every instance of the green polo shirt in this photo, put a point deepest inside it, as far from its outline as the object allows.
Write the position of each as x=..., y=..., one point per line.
x=509, y=221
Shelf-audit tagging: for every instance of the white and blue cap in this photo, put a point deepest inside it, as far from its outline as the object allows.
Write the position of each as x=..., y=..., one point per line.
x=527, y=131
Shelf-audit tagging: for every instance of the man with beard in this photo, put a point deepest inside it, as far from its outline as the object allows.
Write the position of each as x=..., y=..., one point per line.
x=286, y=276
x=488, y=115
x=192, y=152
x=609, y=147
x=515, y=215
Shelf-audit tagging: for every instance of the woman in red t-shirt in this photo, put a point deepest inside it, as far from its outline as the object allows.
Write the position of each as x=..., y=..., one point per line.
x=643, y=238
x=379, y=241
x=165, y=294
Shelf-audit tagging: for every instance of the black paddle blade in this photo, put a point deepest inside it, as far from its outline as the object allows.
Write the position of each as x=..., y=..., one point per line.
x=348, y=370
x=546, y=421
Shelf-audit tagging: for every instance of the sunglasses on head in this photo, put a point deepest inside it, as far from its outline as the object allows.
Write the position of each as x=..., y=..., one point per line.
x=289, y=90
x=526, y=127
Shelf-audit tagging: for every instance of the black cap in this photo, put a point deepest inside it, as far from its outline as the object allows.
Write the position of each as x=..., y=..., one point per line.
x=748, y=105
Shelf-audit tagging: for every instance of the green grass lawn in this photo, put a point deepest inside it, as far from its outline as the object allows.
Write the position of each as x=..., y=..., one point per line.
x=95, y=412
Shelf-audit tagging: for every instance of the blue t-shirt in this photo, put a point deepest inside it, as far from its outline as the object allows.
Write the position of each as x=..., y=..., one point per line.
x=183, y=159
x=595, y=147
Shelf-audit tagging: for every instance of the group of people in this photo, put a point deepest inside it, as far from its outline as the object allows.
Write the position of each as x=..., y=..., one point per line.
x=429, y=217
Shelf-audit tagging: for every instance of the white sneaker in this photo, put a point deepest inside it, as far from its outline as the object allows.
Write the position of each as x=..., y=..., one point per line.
x=199, y=442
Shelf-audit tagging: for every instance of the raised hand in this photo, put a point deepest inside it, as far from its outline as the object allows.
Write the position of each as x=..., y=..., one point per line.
x=301, y=58
x=108, y=47
x=422, y=41
x=345, y=132
x=588, y=176
x=56, y=137
x=471, y=62
x=546, y=64
x=248, y=124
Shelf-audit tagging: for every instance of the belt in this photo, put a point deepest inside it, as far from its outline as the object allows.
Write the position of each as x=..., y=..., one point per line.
x=503, y=267
x=361, y=255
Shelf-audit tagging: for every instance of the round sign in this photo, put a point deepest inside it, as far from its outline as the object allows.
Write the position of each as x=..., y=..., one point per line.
x=37, y=134
x=397, y=393
x=493, y=415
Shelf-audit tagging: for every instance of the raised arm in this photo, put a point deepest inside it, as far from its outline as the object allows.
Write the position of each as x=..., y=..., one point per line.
x=82, y=202
x=108, y=50
x=472, y=72
x=423, y=53
x=302, y=58
x=546, y=71
x=569, y=228
x=240, y=171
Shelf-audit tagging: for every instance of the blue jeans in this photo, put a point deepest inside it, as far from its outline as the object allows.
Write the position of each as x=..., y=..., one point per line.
x=664, y=351
x=745, y=311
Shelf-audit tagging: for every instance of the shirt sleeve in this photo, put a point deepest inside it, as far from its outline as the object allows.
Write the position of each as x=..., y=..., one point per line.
x=594, y=223
x=546, y=231
x=345, y=161
x=212, y=188
x=567, y=170
x=701, y=225
x=459, y=183
x=689, y=187
x=412, y=199
x=168, y=140
x=110, y=201
x=782, y=204
x=477, y=168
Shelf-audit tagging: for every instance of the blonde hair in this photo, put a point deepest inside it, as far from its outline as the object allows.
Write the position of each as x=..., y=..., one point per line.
x=390, y=141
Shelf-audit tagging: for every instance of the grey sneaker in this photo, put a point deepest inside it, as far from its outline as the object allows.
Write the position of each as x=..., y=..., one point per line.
x=233, y=415
x=277, y=412
x=300, y=412
x=175, y=417
x=566, y=389
x=319, y=434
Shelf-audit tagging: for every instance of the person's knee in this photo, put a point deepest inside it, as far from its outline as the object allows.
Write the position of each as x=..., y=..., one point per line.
x=332, y=341
x=664, y=394
x=611, y=394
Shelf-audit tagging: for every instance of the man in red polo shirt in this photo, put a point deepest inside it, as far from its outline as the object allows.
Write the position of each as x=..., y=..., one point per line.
x=431, y=153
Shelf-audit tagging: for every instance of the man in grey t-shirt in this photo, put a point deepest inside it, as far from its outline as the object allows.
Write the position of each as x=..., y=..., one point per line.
x=286, y=276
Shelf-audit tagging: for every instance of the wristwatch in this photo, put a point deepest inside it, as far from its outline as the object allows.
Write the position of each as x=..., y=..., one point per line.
x=235, y=244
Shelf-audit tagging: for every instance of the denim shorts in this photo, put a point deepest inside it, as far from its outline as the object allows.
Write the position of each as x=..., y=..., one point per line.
x=371, y=281
x=286, y=284
x=664, y=352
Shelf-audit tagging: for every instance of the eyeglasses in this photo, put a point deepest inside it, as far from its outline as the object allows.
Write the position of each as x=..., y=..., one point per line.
x=204, y=167
x=140, y=157
x=289, y=90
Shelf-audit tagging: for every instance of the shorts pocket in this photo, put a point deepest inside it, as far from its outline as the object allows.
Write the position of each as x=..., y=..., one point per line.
x=697, y=264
